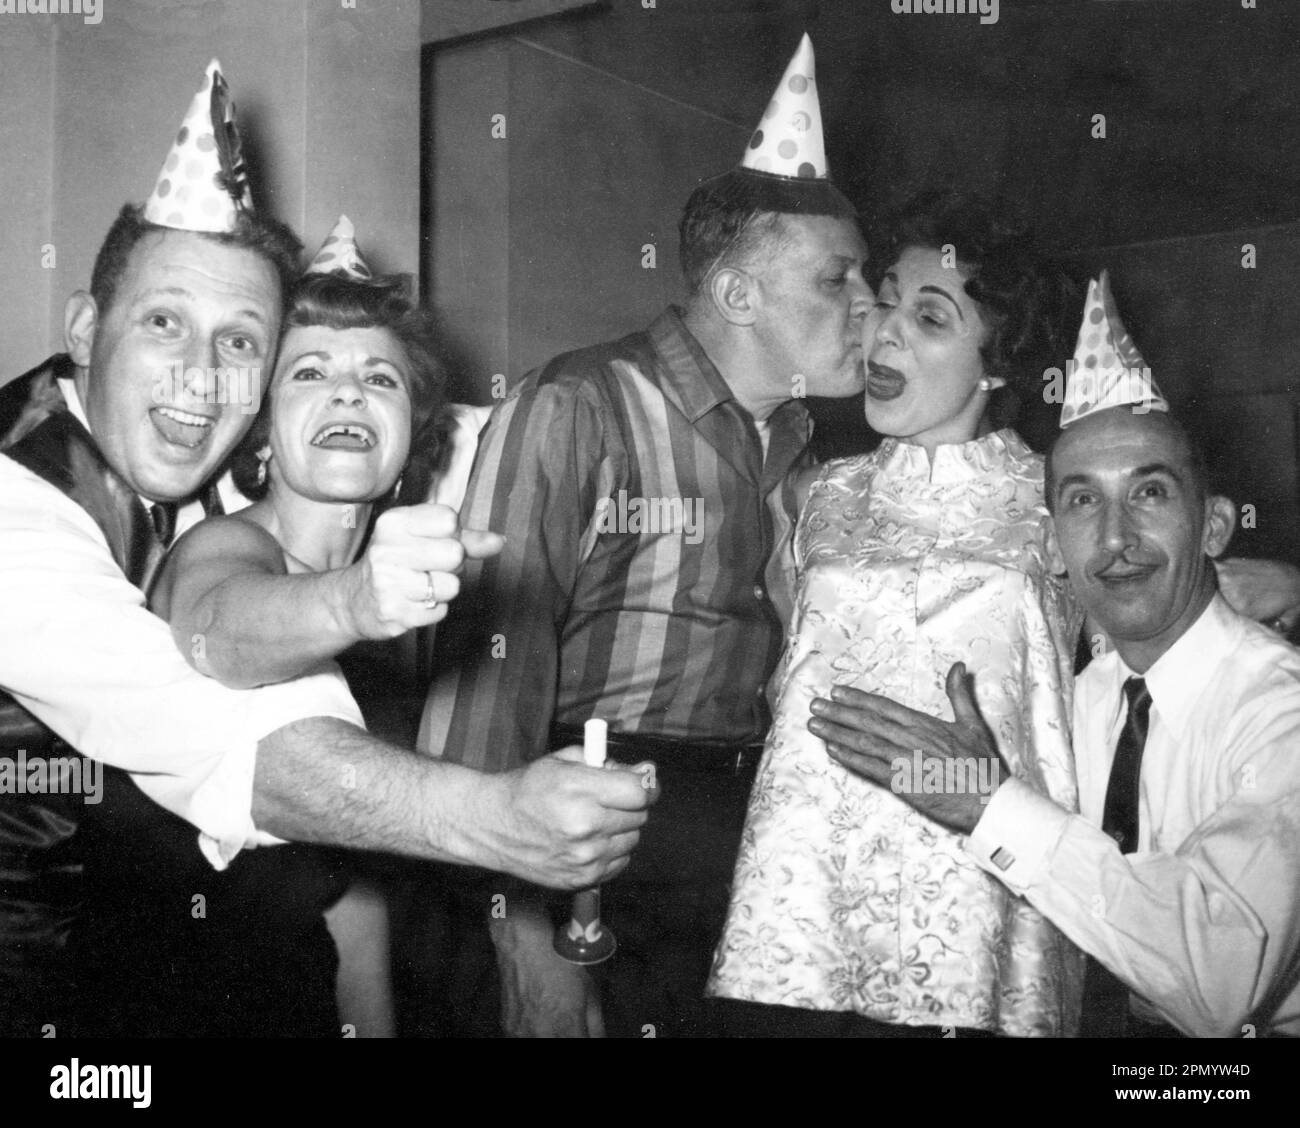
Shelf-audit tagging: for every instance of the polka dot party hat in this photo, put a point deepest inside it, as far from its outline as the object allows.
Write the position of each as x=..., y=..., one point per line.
x=784, y=167
x=339, y=254
x=203, y=184
x=1108, y=371
x=788, y=141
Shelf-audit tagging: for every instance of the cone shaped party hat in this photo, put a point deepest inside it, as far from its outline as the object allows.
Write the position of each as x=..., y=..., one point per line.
x=789, y=140
x=784, y=168
x=203, y=185
x=1108, y=369
x=339, y=254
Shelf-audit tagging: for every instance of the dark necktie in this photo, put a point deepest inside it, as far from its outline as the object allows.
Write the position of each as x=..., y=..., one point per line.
x=1105, y=997
x=163, y=515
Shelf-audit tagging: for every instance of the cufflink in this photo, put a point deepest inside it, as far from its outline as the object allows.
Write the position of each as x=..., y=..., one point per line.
x=1003, y=858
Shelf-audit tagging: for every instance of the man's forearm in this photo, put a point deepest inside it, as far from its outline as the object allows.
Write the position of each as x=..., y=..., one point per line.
x=556, y=823
x=322, y=780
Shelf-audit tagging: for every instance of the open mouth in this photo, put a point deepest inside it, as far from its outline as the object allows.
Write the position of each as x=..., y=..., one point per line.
x=182, y=428
x=345, y=436
x=883, y=382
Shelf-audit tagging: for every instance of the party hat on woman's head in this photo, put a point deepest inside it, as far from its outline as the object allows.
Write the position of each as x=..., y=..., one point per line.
x=203, y=185
x=784, y=168
x=339, y=254
x=1108, y=371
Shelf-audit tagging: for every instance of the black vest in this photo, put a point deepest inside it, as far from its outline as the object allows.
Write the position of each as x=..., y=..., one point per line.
x=111, y=920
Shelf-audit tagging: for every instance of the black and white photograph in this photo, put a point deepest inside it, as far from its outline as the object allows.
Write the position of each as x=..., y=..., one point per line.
x=664, y=520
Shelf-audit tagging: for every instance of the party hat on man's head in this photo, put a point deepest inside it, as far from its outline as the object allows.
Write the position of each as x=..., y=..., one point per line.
x=788, y=141
x=1108, y=369
x=203, y=185
x=784, y=168
x=339, y=254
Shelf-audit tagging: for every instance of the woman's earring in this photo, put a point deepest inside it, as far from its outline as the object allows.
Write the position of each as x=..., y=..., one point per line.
x=986, y=385
x=397, y=489
x=262, y=460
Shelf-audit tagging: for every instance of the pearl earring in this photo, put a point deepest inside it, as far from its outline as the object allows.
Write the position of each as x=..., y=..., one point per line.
x=986, y=385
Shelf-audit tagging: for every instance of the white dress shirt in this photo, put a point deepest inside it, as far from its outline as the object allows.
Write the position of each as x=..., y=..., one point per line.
x=81, y=652
x=1203, y=920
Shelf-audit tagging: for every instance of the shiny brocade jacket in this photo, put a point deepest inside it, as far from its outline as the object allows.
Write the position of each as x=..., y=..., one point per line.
x=845, y=898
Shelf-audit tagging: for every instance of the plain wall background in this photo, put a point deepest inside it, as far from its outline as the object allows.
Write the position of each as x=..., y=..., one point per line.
x=328, y=105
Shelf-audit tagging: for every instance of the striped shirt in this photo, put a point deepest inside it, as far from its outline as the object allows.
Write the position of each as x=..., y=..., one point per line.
x=647, y=541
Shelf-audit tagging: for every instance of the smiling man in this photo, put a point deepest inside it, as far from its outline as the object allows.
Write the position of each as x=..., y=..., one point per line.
x=669, y=637
x=180, y=301
x=1180, y=876
x=104, y=453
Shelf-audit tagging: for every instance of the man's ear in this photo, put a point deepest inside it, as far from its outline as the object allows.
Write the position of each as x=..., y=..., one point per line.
x=734, y=296
x=80, y=317
x=1220, y=524
x=1052, y=548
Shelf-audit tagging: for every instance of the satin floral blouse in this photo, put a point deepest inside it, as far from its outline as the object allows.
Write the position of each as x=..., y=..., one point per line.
x=845, y=899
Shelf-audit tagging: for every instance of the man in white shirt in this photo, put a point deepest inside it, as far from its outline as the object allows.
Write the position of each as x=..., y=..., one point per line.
x=89, y=443
x=1190, y=897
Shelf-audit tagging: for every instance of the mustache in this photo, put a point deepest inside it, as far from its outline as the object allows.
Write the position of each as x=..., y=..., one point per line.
x=1121, y=565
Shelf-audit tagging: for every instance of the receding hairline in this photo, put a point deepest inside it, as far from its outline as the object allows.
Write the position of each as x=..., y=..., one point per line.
x=777, y=233
x=1192, y=457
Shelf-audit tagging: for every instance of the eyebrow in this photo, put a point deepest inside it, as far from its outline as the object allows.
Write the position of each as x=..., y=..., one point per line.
x=1071, y=480
x=181, y=292
x=1157, y=468
x=891, y=276
x=944, y=293
x=1140, y=472
x=321, y=354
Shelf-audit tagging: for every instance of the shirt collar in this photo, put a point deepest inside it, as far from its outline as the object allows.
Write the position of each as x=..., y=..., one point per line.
x=1181, y=675
x=188, y=513
x=689, y=378
x=692, y=382
x=69, y=389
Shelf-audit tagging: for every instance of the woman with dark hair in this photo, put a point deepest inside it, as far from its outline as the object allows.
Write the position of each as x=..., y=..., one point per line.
x=353, y=420
x=354, y=415
x=850, y=912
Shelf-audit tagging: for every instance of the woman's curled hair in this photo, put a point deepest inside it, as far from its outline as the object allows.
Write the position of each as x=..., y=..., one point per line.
x=1030, y=304
x=337, y=301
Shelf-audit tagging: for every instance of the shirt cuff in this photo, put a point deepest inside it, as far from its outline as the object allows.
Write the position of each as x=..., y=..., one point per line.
x=1016, y=834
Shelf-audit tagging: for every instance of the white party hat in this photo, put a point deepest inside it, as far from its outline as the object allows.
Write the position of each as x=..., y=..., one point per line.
x=339, y=254
x=203, y=185
x=1108, y=370
x=784, y=168
x=789, y=140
